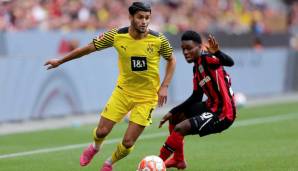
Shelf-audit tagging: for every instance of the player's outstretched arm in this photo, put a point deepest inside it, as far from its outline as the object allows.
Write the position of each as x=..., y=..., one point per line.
x=163, y=90
x=214, y=49
x=225, y=59
x=77, y=53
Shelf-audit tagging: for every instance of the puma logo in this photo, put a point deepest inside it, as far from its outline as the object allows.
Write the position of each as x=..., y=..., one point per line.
x=123, y=47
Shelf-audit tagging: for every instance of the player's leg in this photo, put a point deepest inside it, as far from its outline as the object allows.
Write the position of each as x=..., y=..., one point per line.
x=140, y=117
x=186, y=127
x=204, y=124
x=178, y=159
x=174, y=141
x=113, y=112
x=176, y=119
x=127, y=145
x=131, y=135
x=104, y=128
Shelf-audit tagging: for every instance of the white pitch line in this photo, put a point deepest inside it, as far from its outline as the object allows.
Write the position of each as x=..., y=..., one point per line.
x=263, y=120
x=240, y=123
x=75, y=146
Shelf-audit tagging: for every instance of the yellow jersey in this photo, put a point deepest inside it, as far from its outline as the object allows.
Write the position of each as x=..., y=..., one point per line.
x=138, y=60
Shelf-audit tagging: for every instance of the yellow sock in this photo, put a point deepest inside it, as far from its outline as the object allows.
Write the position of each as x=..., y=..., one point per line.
x=120, y=152
x=97, y=141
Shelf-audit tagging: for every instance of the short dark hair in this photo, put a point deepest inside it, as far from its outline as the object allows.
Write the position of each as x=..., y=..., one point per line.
x=139, y=6
x=191, y=35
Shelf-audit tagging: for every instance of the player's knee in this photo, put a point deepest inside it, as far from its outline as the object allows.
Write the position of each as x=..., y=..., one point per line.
x=178, y=128
x=102, y=132
x=183, y=128
x=128, y=143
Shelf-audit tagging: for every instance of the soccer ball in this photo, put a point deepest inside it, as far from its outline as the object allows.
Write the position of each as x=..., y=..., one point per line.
x=152, y=163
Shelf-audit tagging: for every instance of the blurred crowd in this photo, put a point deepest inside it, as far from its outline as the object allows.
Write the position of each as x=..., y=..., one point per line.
x=229, y=16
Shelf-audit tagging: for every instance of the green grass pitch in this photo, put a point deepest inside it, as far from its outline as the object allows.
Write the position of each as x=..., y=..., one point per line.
x=262, y=138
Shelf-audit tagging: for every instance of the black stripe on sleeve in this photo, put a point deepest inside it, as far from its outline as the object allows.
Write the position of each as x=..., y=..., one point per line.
x=105, y=41
x=166, y=49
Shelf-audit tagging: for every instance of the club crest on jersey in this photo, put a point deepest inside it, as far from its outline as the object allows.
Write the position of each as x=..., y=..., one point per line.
x=150, y=48
x=123, y=47
x=201, y=69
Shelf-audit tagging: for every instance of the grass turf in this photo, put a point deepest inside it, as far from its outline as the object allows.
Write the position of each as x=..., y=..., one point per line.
x=257, y=146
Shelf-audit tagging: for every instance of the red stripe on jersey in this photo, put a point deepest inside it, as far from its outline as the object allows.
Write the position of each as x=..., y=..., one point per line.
x=213, y=80
x=227, y=110
x=213, y=60
x=197, y=79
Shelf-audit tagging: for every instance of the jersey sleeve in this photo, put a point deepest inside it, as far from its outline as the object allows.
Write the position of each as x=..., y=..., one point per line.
x=212, y=60
x=225, y=59
x=219, y=58
x=105, y=40
x=166, y=49
x=196, y=96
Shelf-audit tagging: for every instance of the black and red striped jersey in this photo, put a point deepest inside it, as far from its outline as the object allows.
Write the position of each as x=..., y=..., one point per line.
x=210, y=76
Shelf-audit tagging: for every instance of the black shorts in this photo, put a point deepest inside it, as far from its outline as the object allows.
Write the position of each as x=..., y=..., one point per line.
x=204, y=122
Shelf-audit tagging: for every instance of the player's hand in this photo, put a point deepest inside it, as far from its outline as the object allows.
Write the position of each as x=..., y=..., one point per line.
x=213, y=44
x=52, y=63
x=162, y=95
x=165, y=119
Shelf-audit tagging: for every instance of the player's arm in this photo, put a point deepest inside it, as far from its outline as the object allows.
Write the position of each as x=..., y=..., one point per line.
x=196, y=96
x=167, y=53
x=170, y=68
x=76, y=53
x=223, y=58
x=103, y=41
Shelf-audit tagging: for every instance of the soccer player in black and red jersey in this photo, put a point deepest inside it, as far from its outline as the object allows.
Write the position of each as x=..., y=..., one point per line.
x=195, y=116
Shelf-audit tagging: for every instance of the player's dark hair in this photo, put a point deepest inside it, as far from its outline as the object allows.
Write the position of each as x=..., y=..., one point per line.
x=139, y=6
x=192, y=35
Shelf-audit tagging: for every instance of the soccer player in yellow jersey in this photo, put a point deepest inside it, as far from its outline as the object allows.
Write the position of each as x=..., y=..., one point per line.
x=138, y=88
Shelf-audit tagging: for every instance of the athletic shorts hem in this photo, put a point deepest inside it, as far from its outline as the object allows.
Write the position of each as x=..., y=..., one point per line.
x=141, y=124
x=206, y=126
x=110, y=118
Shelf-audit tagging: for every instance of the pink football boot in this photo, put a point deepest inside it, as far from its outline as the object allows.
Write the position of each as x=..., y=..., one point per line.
x=107, y=167
x=87, y=155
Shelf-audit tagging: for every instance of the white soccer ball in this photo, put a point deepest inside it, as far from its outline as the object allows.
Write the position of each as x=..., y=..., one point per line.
x=240, y=99
x=151, y=163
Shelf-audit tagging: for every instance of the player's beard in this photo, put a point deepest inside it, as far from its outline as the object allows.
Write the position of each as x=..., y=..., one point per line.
x=137, y=28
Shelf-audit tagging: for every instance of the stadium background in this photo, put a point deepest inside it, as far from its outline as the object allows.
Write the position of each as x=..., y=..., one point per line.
x=260, y=35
